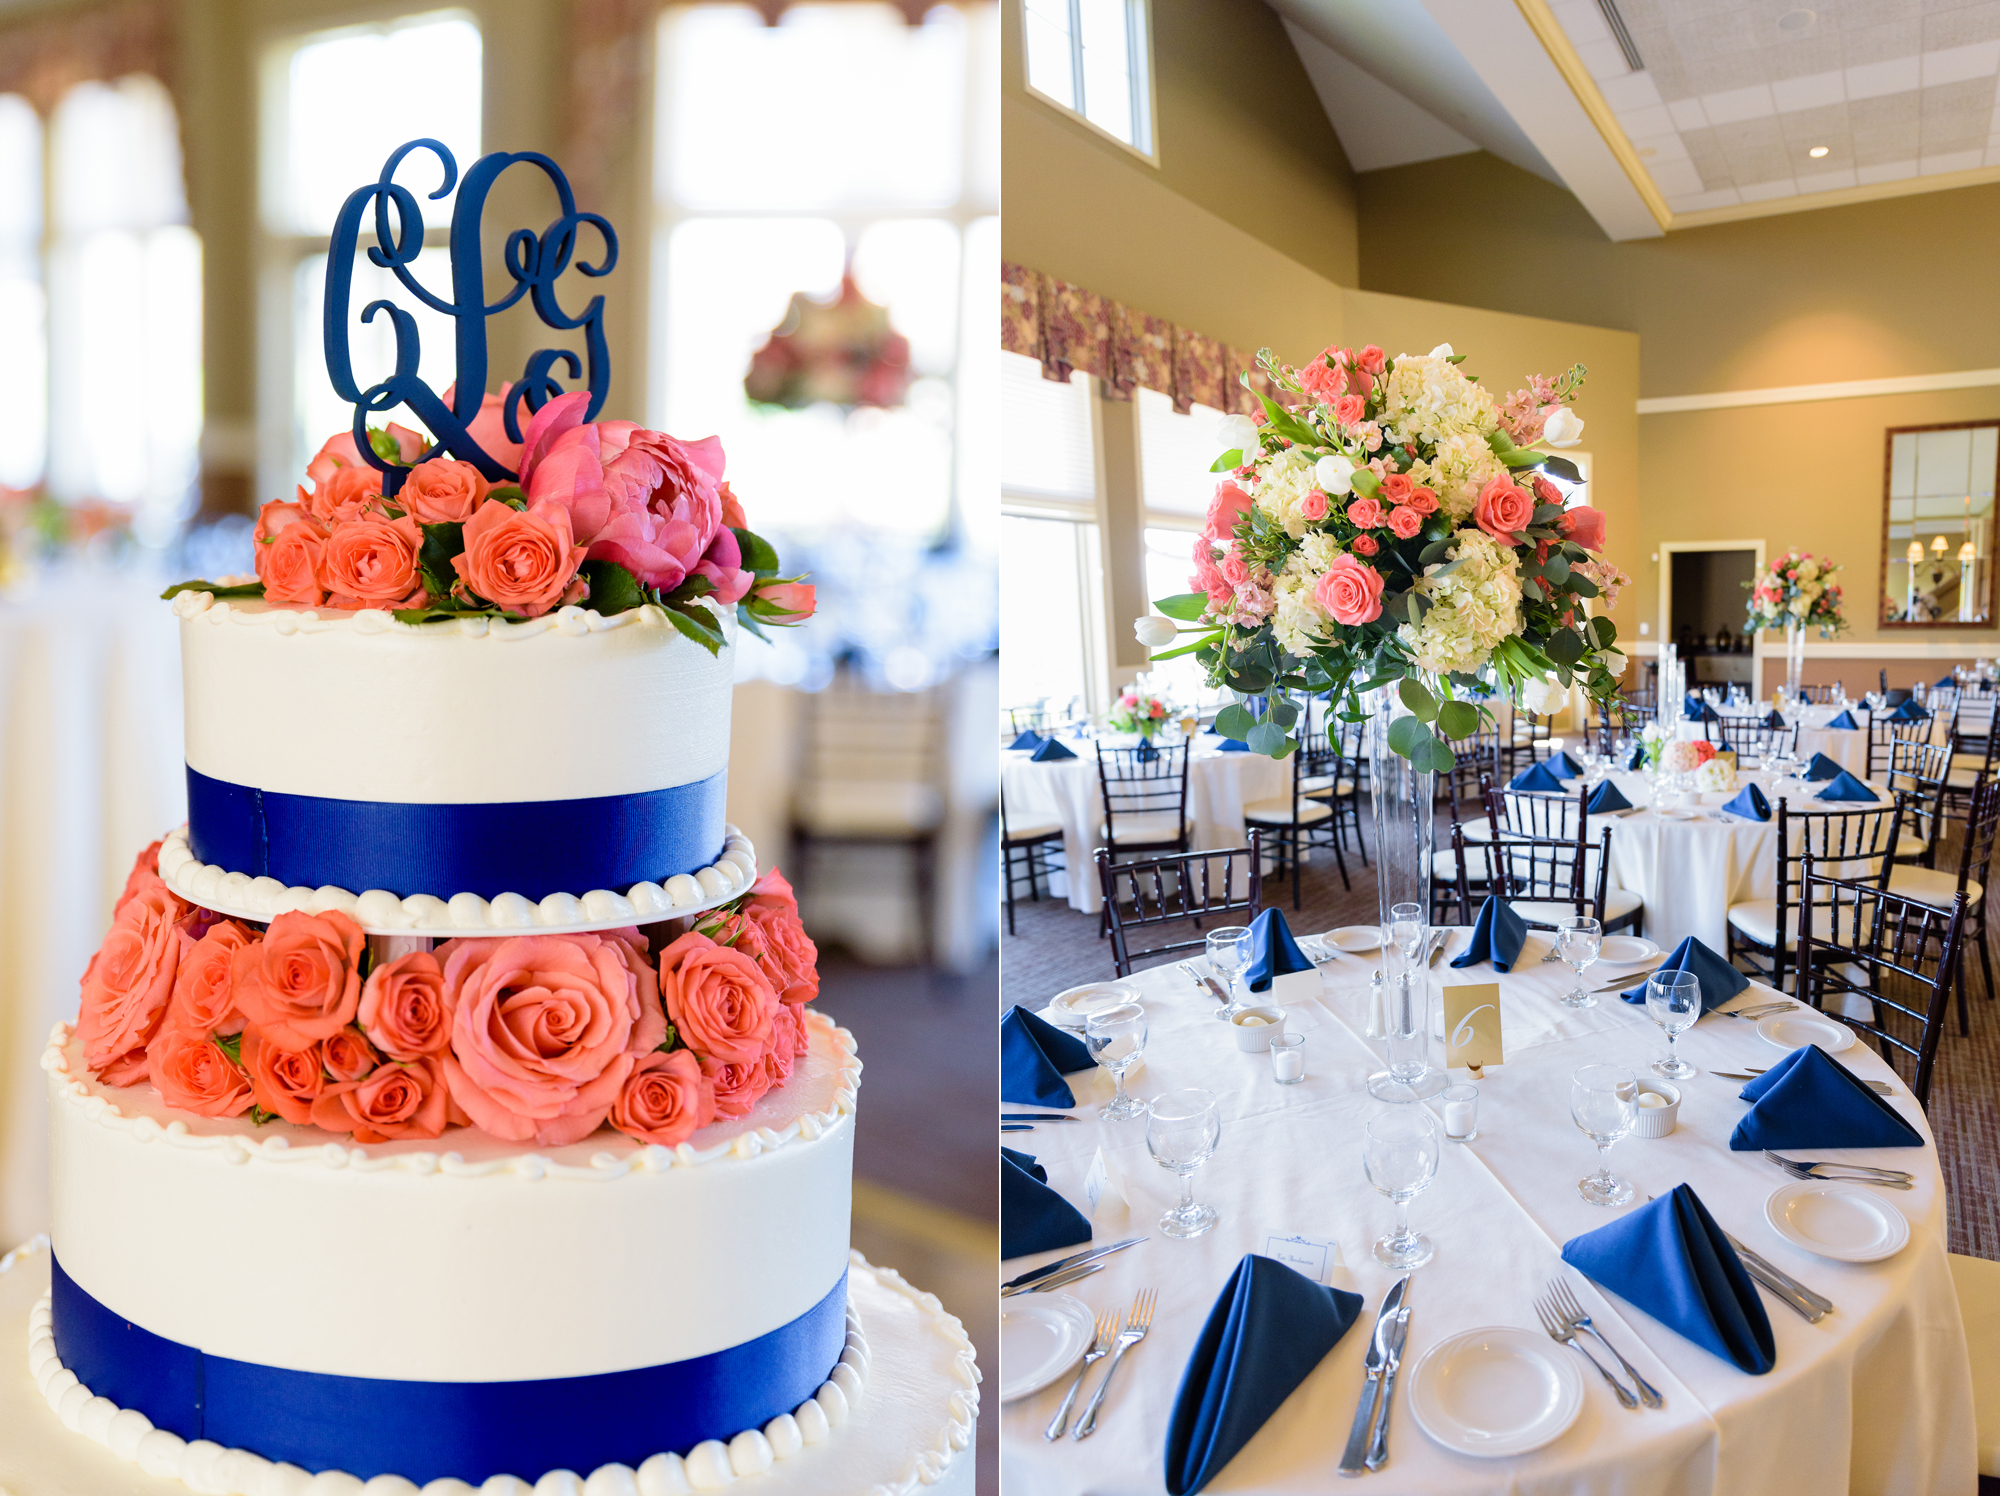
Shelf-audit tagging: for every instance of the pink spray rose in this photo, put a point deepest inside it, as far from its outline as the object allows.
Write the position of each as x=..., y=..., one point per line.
x=717, y=998
x=738, y=1085
x=1405, y=521
x=524, y=563
x=1207, y=575
x=287, y=554
x=1365, y=545
x=1503, y=510
x=1584, y=525
x=300, y=982
x=285, y=1081
x=665, y=1100
x=403, y=1008
x=1364, y=514
x=1349, y=410
x=1371, y=360
x=408, y=1099
x=1235, y=571
x=1228, y=506
x=145, y=868
x=1325, y=384
x=193, y=1073
x=128, y=983
x=348, y=1055
x=340, y=454
x=443, y=490
x=372, y=563
x=789, y=958
x=1351, y=591
x=795, y=598
x=1423, y=500
x=788, y=1042
x=1397, y=488
x=1313, y=505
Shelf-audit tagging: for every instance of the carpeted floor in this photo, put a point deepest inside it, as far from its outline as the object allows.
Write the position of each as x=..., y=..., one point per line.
x=1056, y=947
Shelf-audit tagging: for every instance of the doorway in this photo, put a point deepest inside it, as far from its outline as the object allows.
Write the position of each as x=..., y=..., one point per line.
x=1704, y=589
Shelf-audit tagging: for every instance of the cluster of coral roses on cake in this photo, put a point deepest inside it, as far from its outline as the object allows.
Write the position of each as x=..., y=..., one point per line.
x=605, y=513
x=531, y=1038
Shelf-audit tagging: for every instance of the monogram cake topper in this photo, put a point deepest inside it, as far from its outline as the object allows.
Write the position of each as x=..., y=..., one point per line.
x=534, y=262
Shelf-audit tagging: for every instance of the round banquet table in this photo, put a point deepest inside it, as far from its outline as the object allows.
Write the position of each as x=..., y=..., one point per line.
x=1066, y=790
x=1846, y=746
x=1876, y=1397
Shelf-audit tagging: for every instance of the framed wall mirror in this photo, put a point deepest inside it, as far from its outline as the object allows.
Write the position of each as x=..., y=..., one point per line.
x=1937, y=525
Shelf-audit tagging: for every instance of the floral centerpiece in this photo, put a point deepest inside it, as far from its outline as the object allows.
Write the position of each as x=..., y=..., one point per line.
x=605, y=514
x=1796, y=590
x=1139, y=711
x=1397, y=525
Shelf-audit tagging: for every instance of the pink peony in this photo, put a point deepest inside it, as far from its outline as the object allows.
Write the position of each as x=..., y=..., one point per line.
x=282, y=1080
x=1405, y=521
x=128, y=983
x=722, y=564
x=1313, y=505
x=300, y=983
x=204, y=1000
x=665, y=1100
x=403, y=1008
x=523, y=563
x=1503, y=510
x=717, y=999
x=738, y=1085
x=1364, y=514
x=1584, y=525
x=372, y=563
x=1351, y=591
x=789, y=958
x=192, y=1073
x=442, y=491
x=403, y=1100
x=287, y=554
x=1228, y=506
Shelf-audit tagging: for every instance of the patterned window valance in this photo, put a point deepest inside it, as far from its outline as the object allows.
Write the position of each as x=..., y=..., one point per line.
x=1066, y=328
x=43, y=56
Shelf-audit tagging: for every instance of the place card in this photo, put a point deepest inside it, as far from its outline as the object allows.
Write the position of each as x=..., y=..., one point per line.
x=1312, y=1256
x=1103, y=1185
x=1472, y=1026
x=1289, y=987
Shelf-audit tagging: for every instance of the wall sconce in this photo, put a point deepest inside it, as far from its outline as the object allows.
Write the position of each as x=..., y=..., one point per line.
x=1916, y=553
x=1968, y=552
x=1937, y=547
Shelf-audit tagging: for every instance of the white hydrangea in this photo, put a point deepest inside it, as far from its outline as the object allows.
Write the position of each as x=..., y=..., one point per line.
x=1298, y=621
x=1316, y=552
x=1428, y=399
x=1284, y=480
x=1473, y=608
x=1464, y=465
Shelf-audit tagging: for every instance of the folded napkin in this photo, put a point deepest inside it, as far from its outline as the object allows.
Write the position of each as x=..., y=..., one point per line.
x=1775, y=719
x=1035, y=1055
x=1693, y=706
x=1145, y=753
x=1910, y=711
x=1750, y=804
x=1266, y=1333
x=1810, y=1100
x=1497, y=936
x=1709, y=713
x=1821, y=768
x=1033, y=1217
x=1273, y=952
x=1945, y=682
x=1636, y=759
x=1564, y=765
x=1235, y=745
x=1719, y=980
x=1672, y=1260
x=1845, y=721
x=1052, y=750
x=1607, y=798
x=1026, y=742
x=1539, y=779
x=1845, y=786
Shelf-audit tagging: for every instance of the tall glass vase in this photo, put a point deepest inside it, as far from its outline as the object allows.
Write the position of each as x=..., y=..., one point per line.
x=1404, y=803
x=1795, y=658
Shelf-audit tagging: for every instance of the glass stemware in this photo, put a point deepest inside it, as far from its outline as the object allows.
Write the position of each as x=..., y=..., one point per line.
x=1673, y=999
x=1116, y=1037
x=1602, y=1102
x=1578, y=938
x=1182, y=1129
x=1400, y=1154
x=1405, y=935
x=1407, y=993
x=1228, y=953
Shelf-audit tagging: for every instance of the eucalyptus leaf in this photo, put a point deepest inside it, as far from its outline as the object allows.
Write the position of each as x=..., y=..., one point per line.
x=1556, y=570
x=1269, y=739
x=1582, y=586
x=1234, y=721
x=1458, y=719
x=1283, y=713
x=1603, y=632
x=1407, y=735
x=1566, y=648
x=1562, y=468
x=1418, y=699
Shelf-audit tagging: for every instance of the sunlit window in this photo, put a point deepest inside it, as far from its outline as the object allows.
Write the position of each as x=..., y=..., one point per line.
x=24, y=367
x=1176, y=453
x=1044, y=656
x=1090, y=56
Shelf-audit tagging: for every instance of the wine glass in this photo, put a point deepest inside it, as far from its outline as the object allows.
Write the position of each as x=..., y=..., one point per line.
x=1228, y=951
x=1116, y=1037
x=1578, y=938
x=1406, y=932
x=1602, y=1101
x=1182, y=1129
x=1673, y=999
x=1400, y=1153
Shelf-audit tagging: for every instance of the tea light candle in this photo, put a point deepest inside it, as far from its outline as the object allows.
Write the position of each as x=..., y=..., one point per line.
x=1458, y=1117
x=1461, y=1112
x=1288, y=1058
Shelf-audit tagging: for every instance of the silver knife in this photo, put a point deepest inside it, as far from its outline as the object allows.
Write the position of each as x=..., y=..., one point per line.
x=1814, y=1306
x=1071, y=1261
x=1378, y=1446
x=1353, y=1461
x=1058, y=1280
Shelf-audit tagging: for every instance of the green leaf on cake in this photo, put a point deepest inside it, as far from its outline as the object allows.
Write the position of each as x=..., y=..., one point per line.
x=508, y=494
x=698, y=624
x=384, y=445
x=441, y=543
x=613, y=589
x=749, y=620
x=244, y=589
x=759, y=555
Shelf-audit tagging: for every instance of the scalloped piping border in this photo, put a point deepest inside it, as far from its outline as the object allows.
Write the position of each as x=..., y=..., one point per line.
x=381, y=912
x=573, y=621
x=234, y=1148
x=710, y=1465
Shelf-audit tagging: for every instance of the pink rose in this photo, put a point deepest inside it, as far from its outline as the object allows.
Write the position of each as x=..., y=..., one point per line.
x=1350, y=591
x=287, y=554
x=403, y=1008
x=1364, y=545
x=520, y=562
x=442, y=491
x=722, y=564
x=542, y=1033
x=1228, y=506
x=1545, y=492
x=1313, y=505
x=145, y=868
x=1207, y=576
x=1323, y=377
x=300, y=983
x=788, y=1036
x=204, y=1000
x=372, y=563
x=1405, y=521
x=1349, y=410
x=1234, y=571
x=1503, y=510
x=1371, y=360
x=489, y=428
x=340, y=454
x=345, y=496
x=717, y=998
x=1584, y=525
x=1423, y=500
x=348, y=1055
x=789, y=958
x=405, y=1100
x=1397, y=488
x=285, y=1081
x=1364, y=514
x=795, y=598
x=738, y=1085
x=665, y=1100
x=129, y=981
x=192, y=1073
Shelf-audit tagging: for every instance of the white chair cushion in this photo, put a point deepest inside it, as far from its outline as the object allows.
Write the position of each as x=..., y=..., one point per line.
x=868, y=807
x=1978, y=1285
x=1143, y=826
x=1932, y=886
x=1758, y=920
x=1479, y=829
x=1322, y=786
x=1279, y=812
x=1444, y=868
x=1027, y=831
x=1963, y=779
x=1617, y=904
x=1971, y=763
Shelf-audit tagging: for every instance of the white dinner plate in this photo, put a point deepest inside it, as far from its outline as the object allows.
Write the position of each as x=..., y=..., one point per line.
x=1847, y=1222
x=1355, y=939
x=1625, y=950
x=1041, y=1335
x=1069, y=1009
x=1496, y=1391
x=1798, y=1028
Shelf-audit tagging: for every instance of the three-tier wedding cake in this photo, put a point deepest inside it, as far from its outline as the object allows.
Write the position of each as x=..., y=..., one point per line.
x=447, y=1109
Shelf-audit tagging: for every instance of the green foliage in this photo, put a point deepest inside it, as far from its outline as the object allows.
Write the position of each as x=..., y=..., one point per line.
x=1563, y=468
x=1229, y=461
x=441, y=543
x=1269, y=738
x=759, y=555
x=508, y=494
x=245, y=589
x=613, y=589
x=1458, y=719
x=698, y=623
x=1235, y=721
x=1186, y=607
x=384, y=446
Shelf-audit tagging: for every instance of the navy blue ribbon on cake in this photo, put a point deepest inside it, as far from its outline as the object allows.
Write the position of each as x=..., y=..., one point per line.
x=530, y=847
x=425, y=1431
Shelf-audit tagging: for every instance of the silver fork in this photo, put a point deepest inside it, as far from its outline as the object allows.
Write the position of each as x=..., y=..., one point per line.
x=1799, y=1171
x=1807, y=1163
x=1572, y=1311
x=1763, y=1010
x=1100, y=1347
x=1562, y=1334
x=1137, y=1323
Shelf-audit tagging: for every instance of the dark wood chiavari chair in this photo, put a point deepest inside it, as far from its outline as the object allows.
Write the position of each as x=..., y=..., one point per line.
x=1751, y=737
x=1858, y=842
x=1917, y=775
x=1548, y=879
x=1934, y=886
x=1289, y=821
x=1514, y=815
x=1884, y=732
x=1823, y=695
x=1188, y=886
x=1032, y=842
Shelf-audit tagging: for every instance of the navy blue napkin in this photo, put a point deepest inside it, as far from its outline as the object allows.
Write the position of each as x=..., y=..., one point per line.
x=1749, y=802
x=1810, y=1100
x=1035, y=1055
x=1846, y=787
x=1636, y=759
x=1266, y=1333
x=1910, y=711
x=1027, y=741
x=1497, y=936
x=1273, y=952
x=1539, y=779
x=1145, y=753
x=1564, y=765
x=1235, y=745
x=1033, y=1217
x=1693, y=706
x=1607, y=798
x=1774, y=719
x=1719, y=980
x=1052, y=750
x=1946, y=682
x=1845, y=721
x=1709, y=713
x=1821, y=768
x=1672, y=1260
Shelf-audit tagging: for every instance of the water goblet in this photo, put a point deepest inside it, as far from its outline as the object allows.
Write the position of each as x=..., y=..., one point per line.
x=1182, y=1129
x=1578, y=938
x=1602, y=1102
x=1673, y=1000
x=1228, y=951
x=1116, y=1037
x=1400, y=1153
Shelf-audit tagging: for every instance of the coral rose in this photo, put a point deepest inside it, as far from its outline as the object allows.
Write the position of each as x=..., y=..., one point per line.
x=1405, y=521
x=1207, y=575
x=1397, y=488
x=286, y=553
x=788, y=956
x=1313, y=505
x=344, y=496
x=128, y=982
x=1371, y=360
x=1364, y=514
x=1365, y=545
x=1584, y=525
x=794, y=600
x=1235, y=571
x=732, y=509
x=284, y=1081
x=1351, y=591
x=372, y=563
x=404, y=1100
x=1503, y=511
x=145, y=868
x=193, y=1073
x=349, y=1055
x=1228, y=506
x=717, y=999
x=300, y=982
x=520, y=562
x=340, y=452
x=403, y=1009
x=1423, y=500
x=665, y=1100
x=1349, y=410
x=737, y=1085
x=204, y=1000
x=442, y=491
x=788, y=1043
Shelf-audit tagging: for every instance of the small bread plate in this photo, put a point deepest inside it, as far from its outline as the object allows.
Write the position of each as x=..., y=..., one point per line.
x=1355, y=940
x=1797, y=1029
x=1846, y=1222
x=1069, y=1009
x=1625, y=950
x=1041, y=1335
x=1497, y=1391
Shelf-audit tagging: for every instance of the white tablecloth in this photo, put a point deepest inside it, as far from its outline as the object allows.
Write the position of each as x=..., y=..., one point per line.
x=1847, y=746
x=1875, y=1398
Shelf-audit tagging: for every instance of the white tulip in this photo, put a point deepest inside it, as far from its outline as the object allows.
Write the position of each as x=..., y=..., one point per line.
x=1153, y=631
x=1335, y=474
x=1239, y=434
x=1614, y=661
x=1540, y=697
x=1563, y=428
x=1443, y=350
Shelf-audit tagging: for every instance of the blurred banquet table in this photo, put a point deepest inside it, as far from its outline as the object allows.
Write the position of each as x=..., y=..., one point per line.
x=1846, y=746
x=1066, y=790
x=1876, y=1397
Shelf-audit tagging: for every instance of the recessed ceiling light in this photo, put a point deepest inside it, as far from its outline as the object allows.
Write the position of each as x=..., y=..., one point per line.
x=1816, y=152
x=1796, y=20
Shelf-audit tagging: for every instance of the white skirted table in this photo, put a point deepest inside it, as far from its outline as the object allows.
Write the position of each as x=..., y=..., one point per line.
x=1876, y=1397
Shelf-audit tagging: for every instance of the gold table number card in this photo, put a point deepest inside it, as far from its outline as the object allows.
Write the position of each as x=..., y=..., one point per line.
x=1472, y=1026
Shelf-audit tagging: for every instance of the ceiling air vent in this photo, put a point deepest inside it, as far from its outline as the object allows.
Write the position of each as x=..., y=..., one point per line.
x=1618, y=29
